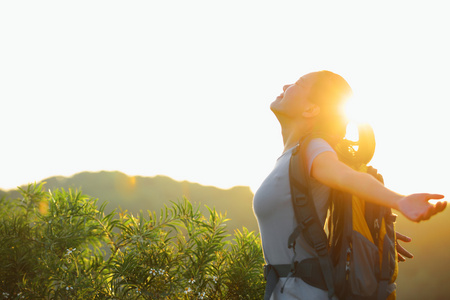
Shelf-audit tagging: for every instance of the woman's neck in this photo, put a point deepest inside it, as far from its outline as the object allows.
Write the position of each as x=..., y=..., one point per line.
x=292, y=133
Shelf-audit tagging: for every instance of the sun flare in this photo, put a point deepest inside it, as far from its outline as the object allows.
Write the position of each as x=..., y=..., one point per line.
x=356, y=114
x=355, y=110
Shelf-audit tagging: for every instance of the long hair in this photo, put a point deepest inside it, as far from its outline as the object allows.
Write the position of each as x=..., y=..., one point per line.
x=330, y=92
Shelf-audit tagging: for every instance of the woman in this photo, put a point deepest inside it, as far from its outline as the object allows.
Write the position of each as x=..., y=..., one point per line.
x=313, y=105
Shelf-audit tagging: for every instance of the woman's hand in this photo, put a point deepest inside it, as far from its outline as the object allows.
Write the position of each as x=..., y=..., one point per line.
x=416, y=207
x=402, y=252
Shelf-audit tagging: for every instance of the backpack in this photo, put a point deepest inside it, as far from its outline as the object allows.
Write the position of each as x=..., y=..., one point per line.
x=357, y=259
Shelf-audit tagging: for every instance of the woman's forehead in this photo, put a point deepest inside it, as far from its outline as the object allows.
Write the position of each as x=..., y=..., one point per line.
x=305, y=80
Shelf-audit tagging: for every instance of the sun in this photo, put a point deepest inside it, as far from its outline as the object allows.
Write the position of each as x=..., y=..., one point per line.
x=355, y=110
x=356, y=115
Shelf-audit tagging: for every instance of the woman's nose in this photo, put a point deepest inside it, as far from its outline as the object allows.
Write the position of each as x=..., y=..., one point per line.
x=286, y=87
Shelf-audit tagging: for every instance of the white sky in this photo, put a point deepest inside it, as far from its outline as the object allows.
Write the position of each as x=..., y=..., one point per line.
x=182, y=88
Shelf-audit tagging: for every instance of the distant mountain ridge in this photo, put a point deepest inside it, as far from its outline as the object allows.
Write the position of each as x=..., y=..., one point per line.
x=136, y=193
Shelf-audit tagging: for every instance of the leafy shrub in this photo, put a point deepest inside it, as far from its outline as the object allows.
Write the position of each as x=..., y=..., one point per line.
x=60, y=245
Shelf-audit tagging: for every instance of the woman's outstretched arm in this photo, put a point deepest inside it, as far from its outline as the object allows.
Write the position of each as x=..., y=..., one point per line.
x=329, y=170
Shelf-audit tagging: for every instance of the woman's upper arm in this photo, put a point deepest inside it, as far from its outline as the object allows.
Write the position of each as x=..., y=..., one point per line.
x=329, y=170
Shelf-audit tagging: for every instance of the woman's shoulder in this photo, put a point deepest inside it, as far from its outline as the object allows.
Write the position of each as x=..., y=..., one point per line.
x=315, y=147
x=318, y=145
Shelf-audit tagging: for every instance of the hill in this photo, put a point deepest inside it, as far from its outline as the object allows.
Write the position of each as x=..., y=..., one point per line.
x=138, y=193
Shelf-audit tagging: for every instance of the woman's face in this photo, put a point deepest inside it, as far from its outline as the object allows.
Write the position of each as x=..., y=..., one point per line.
x=293, y=101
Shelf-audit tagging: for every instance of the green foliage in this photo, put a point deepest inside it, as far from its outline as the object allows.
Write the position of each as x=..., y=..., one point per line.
x=61, y=245
x=136, y=193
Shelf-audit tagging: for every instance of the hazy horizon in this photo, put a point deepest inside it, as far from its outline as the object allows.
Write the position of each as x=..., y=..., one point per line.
x=128, y=175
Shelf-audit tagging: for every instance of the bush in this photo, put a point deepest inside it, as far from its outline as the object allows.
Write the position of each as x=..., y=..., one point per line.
x=60, y=245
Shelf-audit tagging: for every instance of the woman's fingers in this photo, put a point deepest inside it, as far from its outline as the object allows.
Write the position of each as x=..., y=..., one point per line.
x=403, y=237
x=433, y=208
x=402, y=252
x=440, y=206
x=434, y=196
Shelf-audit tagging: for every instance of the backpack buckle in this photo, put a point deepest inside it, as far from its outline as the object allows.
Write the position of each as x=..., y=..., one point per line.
x=267, y=269
x=301, y=200
x=307, y=221
x=321, y=248
x=392, y=218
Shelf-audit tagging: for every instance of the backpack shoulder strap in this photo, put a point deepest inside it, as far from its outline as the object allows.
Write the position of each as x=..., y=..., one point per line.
x=305, y=213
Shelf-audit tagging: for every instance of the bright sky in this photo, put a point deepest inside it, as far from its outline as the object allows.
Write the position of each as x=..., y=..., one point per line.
x=183, y=88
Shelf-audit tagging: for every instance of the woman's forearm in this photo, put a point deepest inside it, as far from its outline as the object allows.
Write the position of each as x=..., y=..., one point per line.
x=328, y=170
x=366, y=187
